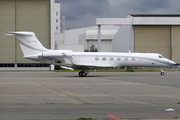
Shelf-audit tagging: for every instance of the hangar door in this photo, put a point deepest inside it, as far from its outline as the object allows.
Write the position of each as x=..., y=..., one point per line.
x=175, y=36
x=153, y=39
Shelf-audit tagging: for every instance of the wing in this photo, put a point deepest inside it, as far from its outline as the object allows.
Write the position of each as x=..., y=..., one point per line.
x=96, y=65
x=90, y=66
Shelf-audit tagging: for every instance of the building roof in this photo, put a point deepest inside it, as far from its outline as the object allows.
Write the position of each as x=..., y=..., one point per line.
x=155, y=15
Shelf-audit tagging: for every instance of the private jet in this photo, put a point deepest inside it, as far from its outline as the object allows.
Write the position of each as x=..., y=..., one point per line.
x=84, y=61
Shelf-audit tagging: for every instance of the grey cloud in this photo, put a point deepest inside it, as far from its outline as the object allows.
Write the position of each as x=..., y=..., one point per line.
x=122, y=8
x=83, y=13
x=84, y=7
x=83, y=10
x=150, y=5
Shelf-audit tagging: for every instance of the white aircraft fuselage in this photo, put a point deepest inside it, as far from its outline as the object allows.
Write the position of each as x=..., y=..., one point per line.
x=109, y=59
x=84, y=61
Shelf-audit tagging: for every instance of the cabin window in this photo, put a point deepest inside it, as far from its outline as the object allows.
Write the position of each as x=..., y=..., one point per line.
x=104, y=58
x=118, y=58
x=111, y=58
x=96, y=58
x=133, y=58
x=140, y=59
x=125, y=58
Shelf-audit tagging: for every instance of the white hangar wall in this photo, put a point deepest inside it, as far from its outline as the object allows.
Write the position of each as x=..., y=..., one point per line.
x=124, y=39
x=81, y=38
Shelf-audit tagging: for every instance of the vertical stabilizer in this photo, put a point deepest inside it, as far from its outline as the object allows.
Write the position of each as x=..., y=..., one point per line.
x=29, y=43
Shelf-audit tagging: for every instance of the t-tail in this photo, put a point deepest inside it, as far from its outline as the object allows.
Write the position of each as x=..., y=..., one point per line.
x=29, y=44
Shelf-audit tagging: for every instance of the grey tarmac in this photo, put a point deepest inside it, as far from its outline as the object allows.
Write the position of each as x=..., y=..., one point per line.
x=100, y=95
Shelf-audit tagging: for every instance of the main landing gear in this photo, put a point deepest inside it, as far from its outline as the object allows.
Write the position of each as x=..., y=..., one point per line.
x=83, y=73
x=162, y=72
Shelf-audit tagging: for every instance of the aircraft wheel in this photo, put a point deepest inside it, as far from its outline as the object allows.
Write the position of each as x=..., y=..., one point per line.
x=84, y=74
x=80, y=74
x=162, y=73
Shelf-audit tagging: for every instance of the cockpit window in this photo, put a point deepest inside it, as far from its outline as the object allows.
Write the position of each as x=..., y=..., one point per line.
x=160, y=56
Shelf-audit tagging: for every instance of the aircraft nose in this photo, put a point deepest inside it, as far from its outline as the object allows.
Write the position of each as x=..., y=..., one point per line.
x=171, y=62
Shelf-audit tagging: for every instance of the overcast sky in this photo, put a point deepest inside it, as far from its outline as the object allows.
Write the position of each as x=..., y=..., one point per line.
x=83, y=13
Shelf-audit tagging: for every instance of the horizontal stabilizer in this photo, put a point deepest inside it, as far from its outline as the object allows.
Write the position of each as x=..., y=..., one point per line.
x=19, y=33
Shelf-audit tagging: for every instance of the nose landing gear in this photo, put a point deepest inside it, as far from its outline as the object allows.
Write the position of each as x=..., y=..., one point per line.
x=162, y=72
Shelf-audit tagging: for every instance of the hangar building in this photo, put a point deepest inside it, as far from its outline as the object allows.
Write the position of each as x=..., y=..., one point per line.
x=39, y=16
x=146, y=33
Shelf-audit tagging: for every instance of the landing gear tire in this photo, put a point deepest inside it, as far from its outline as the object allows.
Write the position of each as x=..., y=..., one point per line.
x=82, y=74
x=162, y=73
